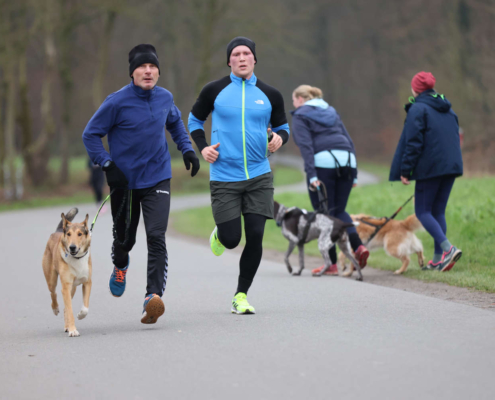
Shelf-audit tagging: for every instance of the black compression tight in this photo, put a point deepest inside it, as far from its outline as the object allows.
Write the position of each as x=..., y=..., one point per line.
x=229, y=234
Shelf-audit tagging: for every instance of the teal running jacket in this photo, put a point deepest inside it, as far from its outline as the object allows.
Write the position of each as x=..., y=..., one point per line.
x=242, y=111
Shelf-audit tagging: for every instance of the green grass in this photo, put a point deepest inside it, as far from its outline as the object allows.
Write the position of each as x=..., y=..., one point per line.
x=286, y=176
x=380, y=170
x=181, y=184
x=77, y=198
x=470, y=215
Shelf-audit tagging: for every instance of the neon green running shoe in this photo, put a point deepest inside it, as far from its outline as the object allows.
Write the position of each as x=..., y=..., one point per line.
x=217, y=248
x=240, y=305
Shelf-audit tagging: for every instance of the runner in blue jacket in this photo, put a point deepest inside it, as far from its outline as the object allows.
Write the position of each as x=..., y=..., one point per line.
x=429, y=152
x=245, y=113
x=134, y=118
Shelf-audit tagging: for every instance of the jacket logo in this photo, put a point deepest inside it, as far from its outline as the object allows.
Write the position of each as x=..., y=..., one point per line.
x=259, y=102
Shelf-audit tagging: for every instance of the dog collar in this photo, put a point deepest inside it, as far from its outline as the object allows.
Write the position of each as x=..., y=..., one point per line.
x=77, y=258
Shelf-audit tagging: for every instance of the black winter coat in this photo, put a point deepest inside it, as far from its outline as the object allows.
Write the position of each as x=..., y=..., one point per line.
x=429, y=146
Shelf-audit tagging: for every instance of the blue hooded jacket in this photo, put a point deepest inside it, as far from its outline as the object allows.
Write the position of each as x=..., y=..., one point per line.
x=317, y=127
x=429, y=146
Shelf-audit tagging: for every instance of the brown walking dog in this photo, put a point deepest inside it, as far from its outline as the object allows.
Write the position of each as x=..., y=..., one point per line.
x=67, y=255
x=396, y=237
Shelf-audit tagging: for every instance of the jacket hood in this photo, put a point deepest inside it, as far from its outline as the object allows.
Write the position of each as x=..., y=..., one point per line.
x=318, y=111
x=434, y=100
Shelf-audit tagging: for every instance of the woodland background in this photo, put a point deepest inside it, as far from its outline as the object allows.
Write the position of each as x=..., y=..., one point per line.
x=59, y=59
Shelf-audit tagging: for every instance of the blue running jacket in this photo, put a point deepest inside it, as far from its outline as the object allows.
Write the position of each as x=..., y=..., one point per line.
x=242, y=110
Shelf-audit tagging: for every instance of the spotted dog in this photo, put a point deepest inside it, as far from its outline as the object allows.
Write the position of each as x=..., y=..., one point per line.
x=328, y=230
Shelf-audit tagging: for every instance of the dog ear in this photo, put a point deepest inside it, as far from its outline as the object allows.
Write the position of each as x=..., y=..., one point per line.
x=293, y=211
x=85, y=224
x=64, y=222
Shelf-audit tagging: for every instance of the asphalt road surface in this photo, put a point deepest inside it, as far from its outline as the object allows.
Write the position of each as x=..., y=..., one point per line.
x=312, y=338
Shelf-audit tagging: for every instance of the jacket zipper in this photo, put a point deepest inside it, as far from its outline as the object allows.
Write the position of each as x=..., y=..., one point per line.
x=151, y=109
x=244, y=127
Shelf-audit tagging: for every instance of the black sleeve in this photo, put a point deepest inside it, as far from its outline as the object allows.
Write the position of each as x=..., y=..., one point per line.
x=204, y=106
x=278, y=117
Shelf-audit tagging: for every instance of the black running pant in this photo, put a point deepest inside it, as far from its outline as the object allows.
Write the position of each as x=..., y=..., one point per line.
x=339, y=185
x=155, y=203
x=230, y=232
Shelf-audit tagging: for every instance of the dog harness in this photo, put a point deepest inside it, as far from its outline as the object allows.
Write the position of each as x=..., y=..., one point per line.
x=310, y=216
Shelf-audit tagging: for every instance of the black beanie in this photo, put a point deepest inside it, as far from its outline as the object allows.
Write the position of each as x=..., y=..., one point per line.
x=142, y=54
x=241, y=41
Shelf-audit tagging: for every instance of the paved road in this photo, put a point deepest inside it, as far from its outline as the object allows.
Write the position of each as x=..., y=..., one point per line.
x=313, y=338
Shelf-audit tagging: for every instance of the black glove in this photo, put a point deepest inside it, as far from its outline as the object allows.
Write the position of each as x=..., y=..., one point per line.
x=190, y=158
x=115, y=177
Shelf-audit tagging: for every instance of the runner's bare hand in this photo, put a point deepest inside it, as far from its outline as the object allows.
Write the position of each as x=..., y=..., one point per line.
x=275, y=143
x=210, y=153
x=404, y=180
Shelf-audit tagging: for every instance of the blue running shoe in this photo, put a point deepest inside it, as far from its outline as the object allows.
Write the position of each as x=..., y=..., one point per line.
x=117, y=280
x=153, y=308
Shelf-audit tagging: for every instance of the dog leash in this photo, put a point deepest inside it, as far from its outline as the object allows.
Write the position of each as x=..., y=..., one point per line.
x=125, y=206
x=98, y=212
x=387, y=220
x=322, y=209
x=323, y=198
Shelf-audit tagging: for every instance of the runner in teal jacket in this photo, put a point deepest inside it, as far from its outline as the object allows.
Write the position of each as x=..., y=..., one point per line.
x=242, y=110
x=248, y=122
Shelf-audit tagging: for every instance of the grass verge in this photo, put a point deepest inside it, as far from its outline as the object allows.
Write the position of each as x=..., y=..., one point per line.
x=470, y=213
x=79, y=191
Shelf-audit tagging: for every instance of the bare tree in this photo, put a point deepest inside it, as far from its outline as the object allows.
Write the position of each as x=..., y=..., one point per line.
x=9, y=61
x=103, y=55
x=25, y=32
x=2, y=135
x=73, y=14
x=209, y=15
x=38, y=151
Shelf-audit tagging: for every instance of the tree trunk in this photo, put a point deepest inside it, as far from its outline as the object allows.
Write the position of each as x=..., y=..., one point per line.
x=103, y=58
x=214, y=11
x=67, y=86
x=24, y=115
x=2, y=136
x=39, y=150
x=9, y=167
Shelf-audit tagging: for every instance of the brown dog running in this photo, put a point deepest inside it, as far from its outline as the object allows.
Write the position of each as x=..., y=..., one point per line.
x=396, y=237
x=67, y=255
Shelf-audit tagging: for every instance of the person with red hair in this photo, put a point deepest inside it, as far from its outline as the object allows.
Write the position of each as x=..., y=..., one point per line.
x=429, y=152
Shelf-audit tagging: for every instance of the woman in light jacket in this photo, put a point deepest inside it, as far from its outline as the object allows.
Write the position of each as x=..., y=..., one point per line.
x=329, y=157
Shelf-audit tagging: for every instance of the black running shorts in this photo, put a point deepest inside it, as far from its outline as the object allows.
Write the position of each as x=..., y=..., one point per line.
x=231, y=199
